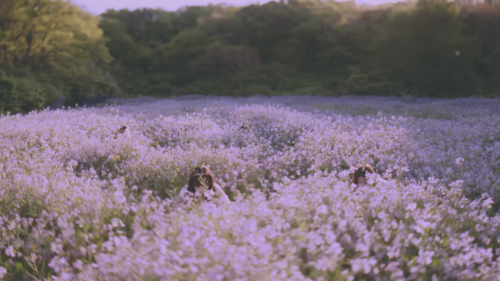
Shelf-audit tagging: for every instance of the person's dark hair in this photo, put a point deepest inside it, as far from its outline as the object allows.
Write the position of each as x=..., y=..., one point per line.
x=194, y=179
x=361, y=172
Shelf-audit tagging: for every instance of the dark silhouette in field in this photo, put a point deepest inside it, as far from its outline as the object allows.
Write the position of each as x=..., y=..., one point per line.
x=200, y=176
x=58, y=104
x=93, y=101
x=202, y=182
x=360, y=173
x=245, y=127
x=122, y=129
x=88, y=102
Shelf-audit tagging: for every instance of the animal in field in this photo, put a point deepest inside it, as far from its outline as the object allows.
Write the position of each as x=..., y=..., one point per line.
x=124, y=130
x=245, y=127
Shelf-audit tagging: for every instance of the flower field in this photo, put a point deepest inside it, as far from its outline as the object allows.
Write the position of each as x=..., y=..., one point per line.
x=79, y=201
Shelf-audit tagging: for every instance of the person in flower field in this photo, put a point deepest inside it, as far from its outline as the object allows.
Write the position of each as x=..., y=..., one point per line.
x=360, y=174
x=245, y=127
x=201, y=183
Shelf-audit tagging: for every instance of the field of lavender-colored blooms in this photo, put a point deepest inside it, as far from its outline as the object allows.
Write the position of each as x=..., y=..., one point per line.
x=80, y=202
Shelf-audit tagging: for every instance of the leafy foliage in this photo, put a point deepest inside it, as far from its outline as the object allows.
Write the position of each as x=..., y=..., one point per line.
x=429, y=48
x=50, y=49
x=432, y=48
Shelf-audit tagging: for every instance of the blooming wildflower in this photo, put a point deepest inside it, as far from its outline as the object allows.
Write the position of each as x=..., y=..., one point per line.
x=411, y=206
x=459, y=160
x=75, y=185
x=10, y=251
x=78, y=265
x=3, y=272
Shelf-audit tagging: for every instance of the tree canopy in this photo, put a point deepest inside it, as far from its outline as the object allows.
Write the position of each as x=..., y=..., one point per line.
x=433, y=48
x=48, y=49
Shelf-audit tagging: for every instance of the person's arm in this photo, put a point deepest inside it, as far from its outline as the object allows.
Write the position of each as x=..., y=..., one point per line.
x=219, y=192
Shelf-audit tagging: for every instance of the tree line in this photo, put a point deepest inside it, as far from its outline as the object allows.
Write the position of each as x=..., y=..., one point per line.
x=434, y=48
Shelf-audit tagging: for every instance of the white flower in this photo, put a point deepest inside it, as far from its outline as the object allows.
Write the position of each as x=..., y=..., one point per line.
x=10, y=251
x=411, y=206
x=78, y=264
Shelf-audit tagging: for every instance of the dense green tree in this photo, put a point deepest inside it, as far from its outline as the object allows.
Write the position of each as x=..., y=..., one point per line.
x=316, y=46
x=432, y=48
x=483, y=21
x=50, y=48
x=425, y=51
